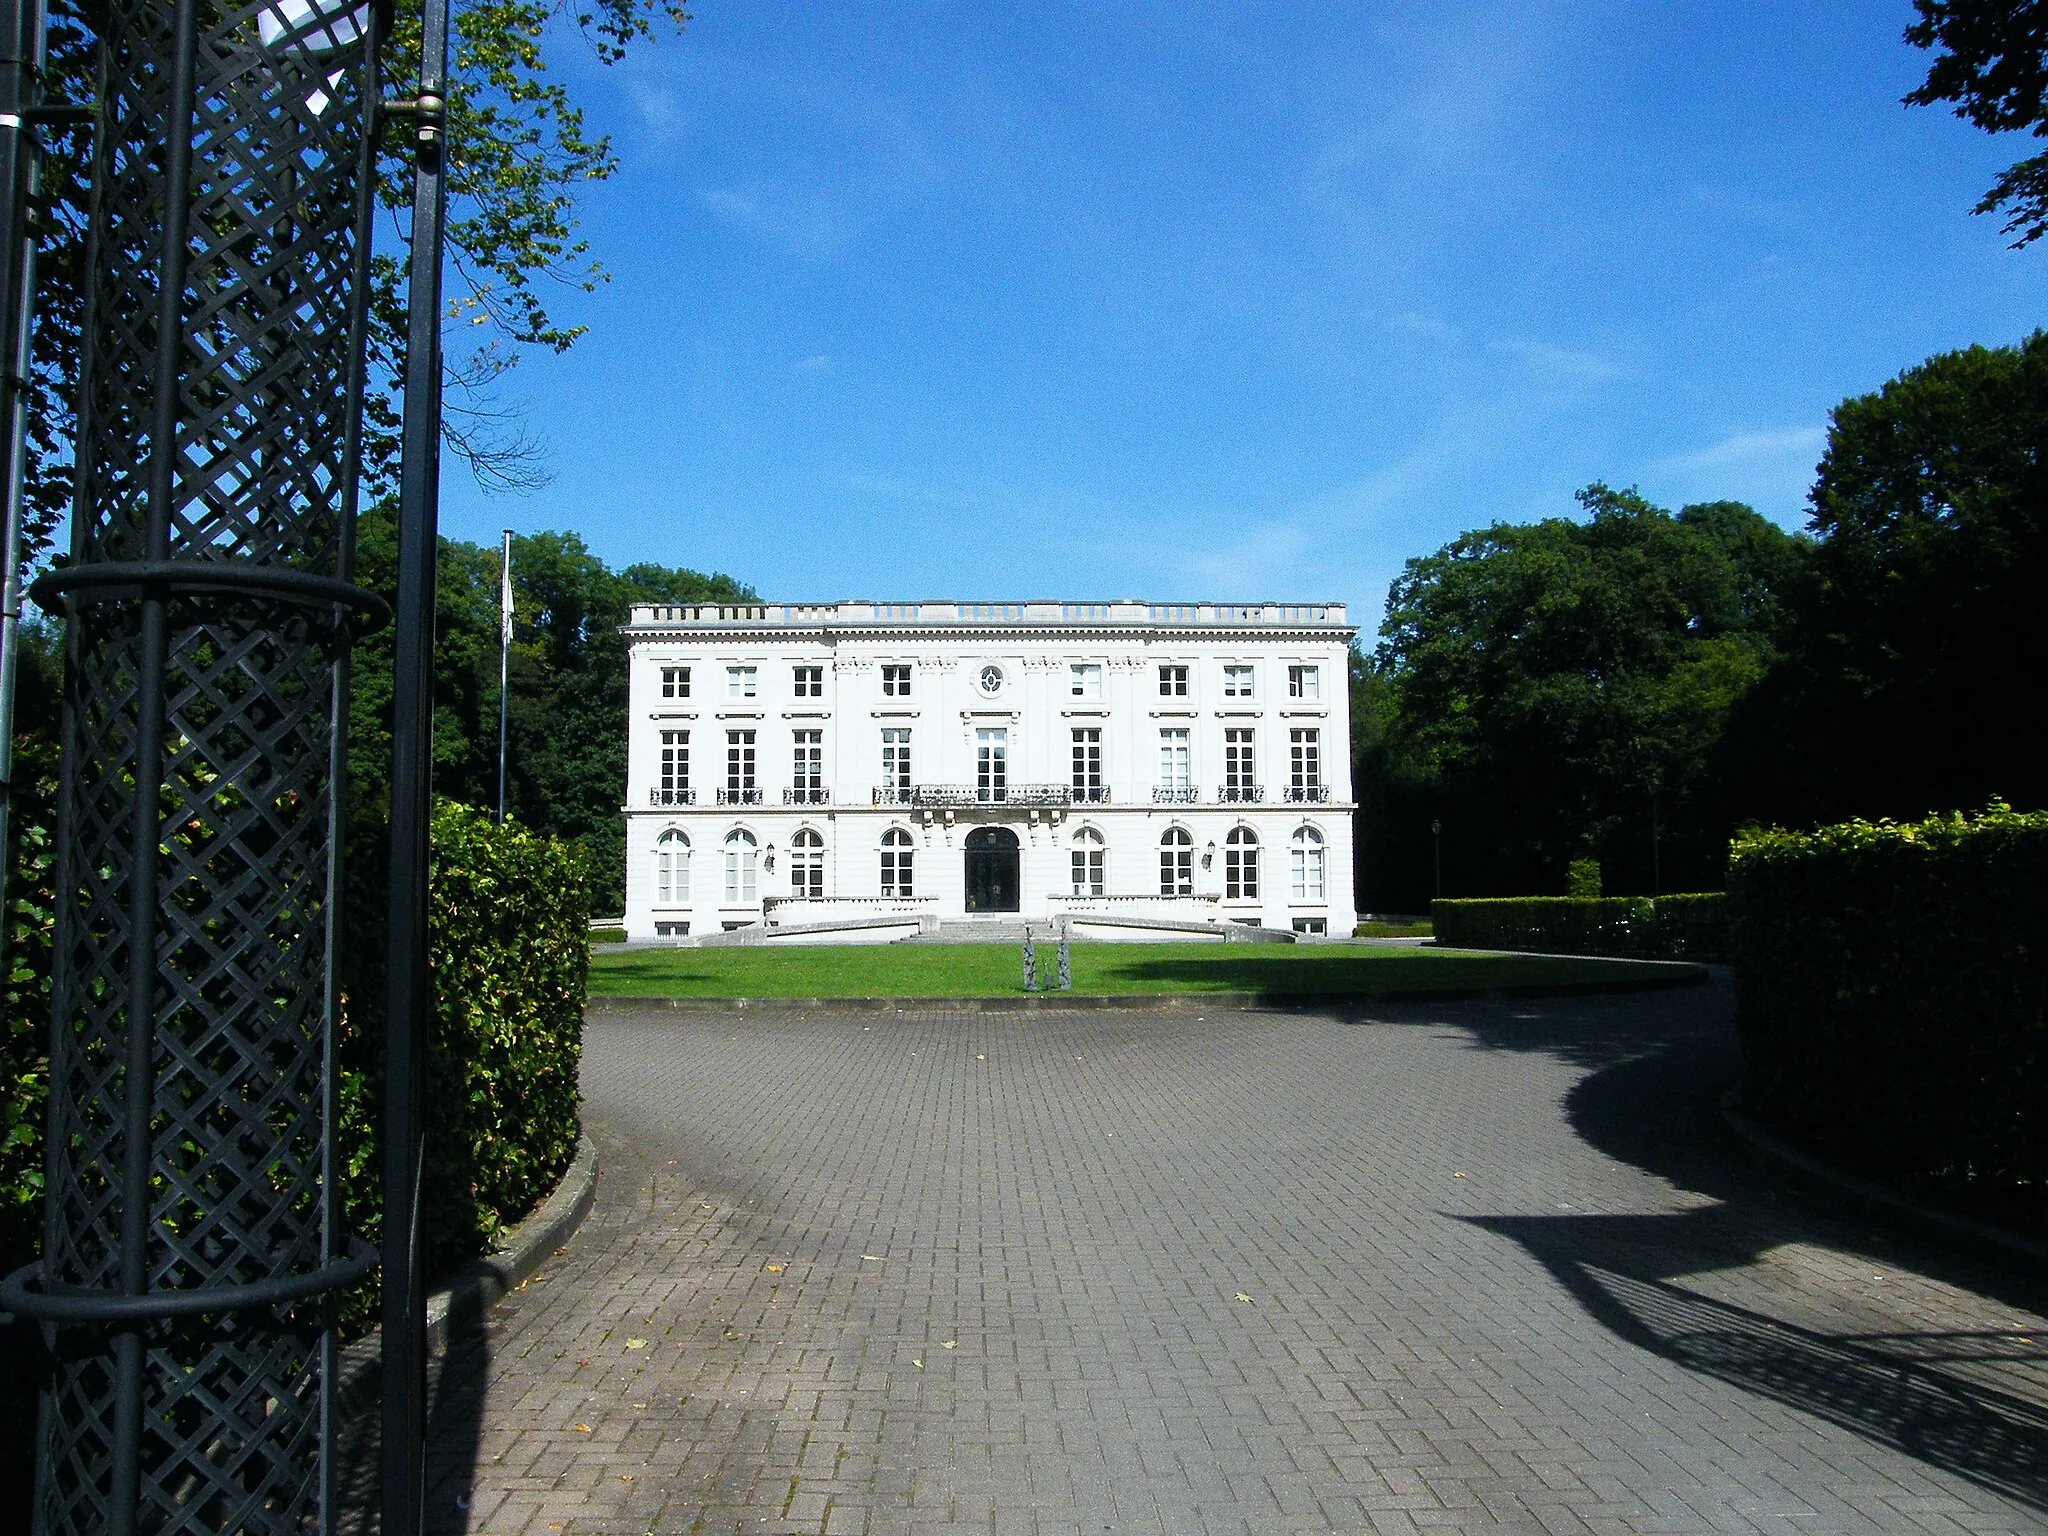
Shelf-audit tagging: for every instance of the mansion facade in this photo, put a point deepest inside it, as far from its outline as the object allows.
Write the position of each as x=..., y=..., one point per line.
x=817, y=763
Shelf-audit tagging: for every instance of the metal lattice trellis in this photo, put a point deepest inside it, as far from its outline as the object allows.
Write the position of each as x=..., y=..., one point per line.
x=193, y=1245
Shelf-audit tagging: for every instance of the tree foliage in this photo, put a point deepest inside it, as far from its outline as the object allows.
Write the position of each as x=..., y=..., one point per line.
x=1992, y=63
x=1549, y=690
x=1919, y=649
x=568, y=684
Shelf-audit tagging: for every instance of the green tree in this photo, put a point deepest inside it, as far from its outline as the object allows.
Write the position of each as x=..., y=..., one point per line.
x=1553, y=688
x=1918, y=653
x=1992, y=63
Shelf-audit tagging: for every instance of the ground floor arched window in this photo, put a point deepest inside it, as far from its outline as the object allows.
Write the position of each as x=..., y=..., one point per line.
x=1307, y=858
x=896, y=856
x=1177, y=863
x=807, y=864
x=1241, y=864
x=671, y=869
x=742, y=867
x=1088, y=863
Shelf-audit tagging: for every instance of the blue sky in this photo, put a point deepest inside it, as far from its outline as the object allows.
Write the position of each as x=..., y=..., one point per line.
x=1233, y=301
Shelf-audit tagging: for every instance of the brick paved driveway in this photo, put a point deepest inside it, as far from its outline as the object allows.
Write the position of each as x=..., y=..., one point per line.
x=1477, y=1266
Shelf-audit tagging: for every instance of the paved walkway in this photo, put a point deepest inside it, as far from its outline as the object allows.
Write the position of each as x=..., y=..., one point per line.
x=1467, y=1267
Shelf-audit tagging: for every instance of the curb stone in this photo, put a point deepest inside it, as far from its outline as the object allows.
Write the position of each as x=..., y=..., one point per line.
x=1136, y=1002
x=1979, y=1239
x=483, y=1282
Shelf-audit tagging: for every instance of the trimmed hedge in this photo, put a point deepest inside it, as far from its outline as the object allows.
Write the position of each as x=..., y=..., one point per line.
x=510, y=957
x=1892, y=986
x=1688, y=927
x=508, y=945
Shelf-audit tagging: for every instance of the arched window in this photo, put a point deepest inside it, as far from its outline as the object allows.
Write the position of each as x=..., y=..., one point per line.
x=1307, y=855
x=742, y=867
x=1177, y=863
x=896, y=855
x=807, y=864
x=1088, y=862
x=671, y=869
x=1240, y=864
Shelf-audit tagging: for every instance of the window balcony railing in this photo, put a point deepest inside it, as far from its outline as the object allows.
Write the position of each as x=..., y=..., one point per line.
x=942, y=794
x=1053, y=795
x=1175, y=794
x=1091, y=794
x=1307, y=794
x=892, y=794
x=671, y=797
x=802, y=796
x=747, y=796
x=1241, y=794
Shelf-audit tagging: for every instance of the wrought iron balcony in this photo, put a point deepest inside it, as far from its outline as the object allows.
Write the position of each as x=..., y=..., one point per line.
x=801, y=796
x=1091, y=794
x=1307, y=794
x=942, y=794
x=892, y=794
x=747, y=796
x=1175, y=794
x=964, y=795
x=671, y=797
x=1241, y=794
x=1041, y=794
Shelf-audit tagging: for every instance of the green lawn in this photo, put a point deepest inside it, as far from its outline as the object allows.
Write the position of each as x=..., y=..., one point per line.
x=992, y=970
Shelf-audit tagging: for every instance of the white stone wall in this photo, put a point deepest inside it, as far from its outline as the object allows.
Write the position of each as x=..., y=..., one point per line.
x=1034, y=647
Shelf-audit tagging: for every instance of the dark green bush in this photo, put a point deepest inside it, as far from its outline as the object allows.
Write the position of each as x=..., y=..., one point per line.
x=1892, y=985
x=1687, y=927
x=509, y=949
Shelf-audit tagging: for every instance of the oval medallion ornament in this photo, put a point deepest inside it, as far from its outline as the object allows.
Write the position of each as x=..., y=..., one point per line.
x=991, y=680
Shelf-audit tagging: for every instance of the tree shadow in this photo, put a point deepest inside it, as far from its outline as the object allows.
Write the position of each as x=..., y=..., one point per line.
x=1936, y=1396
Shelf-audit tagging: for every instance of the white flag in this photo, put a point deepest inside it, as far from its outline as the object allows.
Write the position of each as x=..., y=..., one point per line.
x=505, y=594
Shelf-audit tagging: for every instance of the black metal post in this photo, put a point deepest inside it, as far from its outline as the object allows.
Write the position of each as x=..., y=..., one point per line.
x=504, y=667
x=21, y=37
x=192, y=1248
x=1436, y=839
x=410, y=998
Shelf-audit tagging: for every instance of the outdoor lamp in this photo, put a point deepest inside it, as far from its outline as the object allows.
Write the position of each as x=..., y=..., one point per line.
x=768, y=858
x=1209, y=854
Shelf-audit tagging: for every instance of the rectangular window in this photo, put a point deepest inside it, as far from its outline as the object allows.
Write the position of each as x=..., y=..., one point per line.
x=675, y=682
x=742, y=682
x=896, y=857
x=1088, y=765
x=896, y=682
x=1173, y=759
x=1237, y=682
x=740, y=788
x=1304, y=763
x=1173, y=682
x=1312, y=925
x=991, y=765
x=810, y=682
x=679, y=930
x=896, y=760
x=1084, y=682
x=1088, y=879
x=1304, y=682
x=1177, y=865
x=1240, y=869
x=1307, y=856
x=674, y=788
x=807, y=777
x=1240, y=780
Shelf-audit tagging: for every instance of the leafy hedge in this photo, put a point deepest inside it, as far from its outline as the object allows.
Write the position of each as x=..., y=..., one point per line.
x=509, y=952
x=1892, y=985
x=1688, y=927
x=508, y=946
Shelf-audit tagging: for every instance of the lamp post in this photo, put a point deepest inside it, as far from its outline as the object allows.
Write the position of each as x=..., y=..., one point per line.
x=1436, y=839
x=194, y=1246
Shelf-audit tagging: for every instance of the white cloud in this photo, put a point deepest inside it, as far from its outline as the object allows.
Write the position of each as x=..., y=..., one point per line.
x=804, y=224
x=816, y=363
x=1561, y=362
x=1745, y=450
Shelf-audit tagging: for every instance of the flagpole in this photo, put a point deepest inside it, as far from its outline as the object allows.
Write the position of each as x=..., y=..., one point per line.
x=504, y=663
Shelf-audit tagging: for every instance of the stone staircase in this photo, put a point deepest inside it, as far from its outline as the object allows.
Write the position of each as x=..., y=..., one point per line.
x=988, y=931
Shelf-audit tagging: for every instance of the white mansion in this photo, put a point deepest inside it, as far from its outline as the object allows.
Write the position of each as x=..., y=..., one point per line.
x=855, y=761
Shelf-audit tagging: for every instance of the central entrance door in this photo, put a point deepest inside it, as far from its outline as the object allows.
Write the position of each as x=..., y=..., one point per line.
x=993, y=884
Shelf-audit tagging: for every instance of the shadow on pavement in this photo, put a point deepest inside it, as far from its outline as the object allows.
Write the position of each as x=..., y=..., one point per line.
x=1974, y=1404
x=457, y=1378
x=1915, y=1392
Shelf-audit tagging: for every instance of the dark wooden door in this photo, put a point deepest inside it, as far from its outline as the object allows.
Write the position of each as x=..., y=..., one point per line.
x=993, y=879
